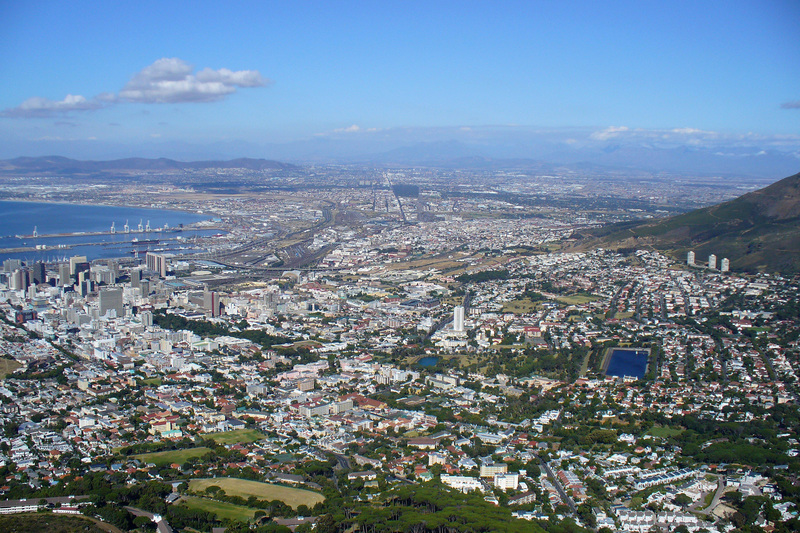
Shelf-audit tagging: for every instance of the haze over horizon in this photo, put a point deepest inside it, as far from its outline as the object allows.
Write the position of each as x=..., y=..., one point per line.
x=308, y=82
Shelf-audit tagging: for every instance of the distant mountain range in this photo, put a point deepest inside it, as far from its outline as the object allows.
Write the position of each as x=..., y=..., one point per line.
x=757, y=232
x=66, y=166
x=612, y=150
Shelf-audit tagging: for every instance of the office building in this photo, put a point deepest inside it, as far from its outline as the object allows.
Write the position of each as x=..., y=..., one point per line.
x=156, y=263
x=19, y=280
x=211, y=302
x=136, y=277
x=10, y=265
x=147, y=318
x=38, y=273
x=111, y=300
x=74, y=261
x=64, y=276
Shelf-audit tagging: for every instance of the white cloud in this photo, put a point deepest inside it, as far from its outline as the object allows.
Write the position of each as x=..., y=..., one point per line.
x=608, y=133
x=349, y=129
x=168, y=80
x=44, y=107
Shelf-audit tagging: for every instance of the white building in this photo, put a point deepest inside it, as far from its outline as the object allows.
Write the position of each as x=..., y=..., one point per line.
x=458, y=318
x=712, y=261
x=463, y=483
x=507, y=481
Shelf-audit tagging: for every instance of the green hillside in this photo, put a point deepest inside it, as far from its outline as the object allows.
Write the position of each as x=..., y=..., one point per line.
x=758, y=232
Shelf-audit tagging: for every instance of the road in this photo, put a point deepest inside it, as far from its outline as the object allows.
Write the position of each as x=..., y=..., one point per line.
x=557, y=484
x=162, y=526
x=721, y=482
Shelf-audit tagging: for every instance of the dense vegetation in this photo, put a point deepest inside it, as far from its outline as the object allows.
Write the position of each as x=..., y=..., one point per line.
x=205, y=328
x=36, y=523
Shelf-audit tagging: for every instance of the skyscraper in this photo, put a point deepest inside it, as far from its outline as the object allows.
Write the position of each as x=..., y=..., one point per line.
x=38, y=273
x=19, y=280
x=725, y=265
x=136, y=277
x=458, y=318
x=690, y=259
x=74, y=261
x=712, y=261
x=64, y=276
x=10, y=265
x=156, y=263
x=111, y=298
x=211, y=301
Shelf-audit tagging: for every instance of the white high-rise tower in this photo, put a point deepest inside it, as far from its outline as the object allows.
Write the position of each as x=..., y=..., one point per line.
x=458, y=318
x=724, y=265
x=690, y=259
x=712, y=261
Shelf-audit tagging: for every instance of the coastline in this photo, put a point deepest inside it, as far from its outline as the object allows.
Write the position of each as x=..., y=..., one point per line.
x=103, y=204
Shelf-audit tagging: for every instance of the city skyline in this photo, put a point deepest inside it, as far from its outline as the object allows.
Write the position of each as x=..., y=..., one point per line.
x=97, y=80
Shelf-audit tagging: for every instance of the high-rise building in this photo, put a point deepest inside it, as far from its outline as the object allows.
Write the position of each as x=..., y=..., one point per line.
x=156, y=263
x=64, y=276
x=19, y=280
x=10, y=265
x=712, y=261
x=80, y=269
x=136, y=276
x=725, y=265
x=103, y=274
x=38, y=273
x=211, y=301
x=690, y=259
x=147, y=318
x=74, y=261
x=458, y=318
x=111, y=299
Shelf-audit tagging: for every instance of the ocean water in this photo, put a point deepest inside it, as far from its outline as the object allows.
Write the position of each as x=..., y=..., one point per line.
x=627, y=363
x=18, y=220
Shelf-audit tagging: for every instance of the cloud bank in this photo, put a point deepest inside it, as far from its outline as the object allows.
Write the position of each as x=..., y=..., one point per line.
x=166, y=81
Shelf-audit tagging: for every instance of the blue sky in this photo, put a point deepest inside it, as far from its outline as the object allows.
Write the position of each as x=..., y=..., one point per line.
x=276, y=72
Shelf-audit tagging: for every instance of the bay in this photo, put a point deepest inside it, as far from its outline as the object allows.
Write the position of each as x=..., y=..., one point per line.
x=18, y=220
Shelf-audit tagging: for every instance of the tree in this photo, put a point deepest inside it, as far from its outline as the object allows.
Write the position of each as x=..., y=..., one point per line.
x=143, y=522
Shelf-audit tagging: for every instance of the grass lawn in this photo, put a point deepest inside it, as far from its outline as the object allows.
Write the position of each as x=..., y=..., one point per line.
x=223, y=510
x=263, y=491
x=577, y=299
x=172, y=456
x=239, y=436
x=153, y=382
x=306, y=344
x=525, y=305
x=663, y=431
x=7, y=366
